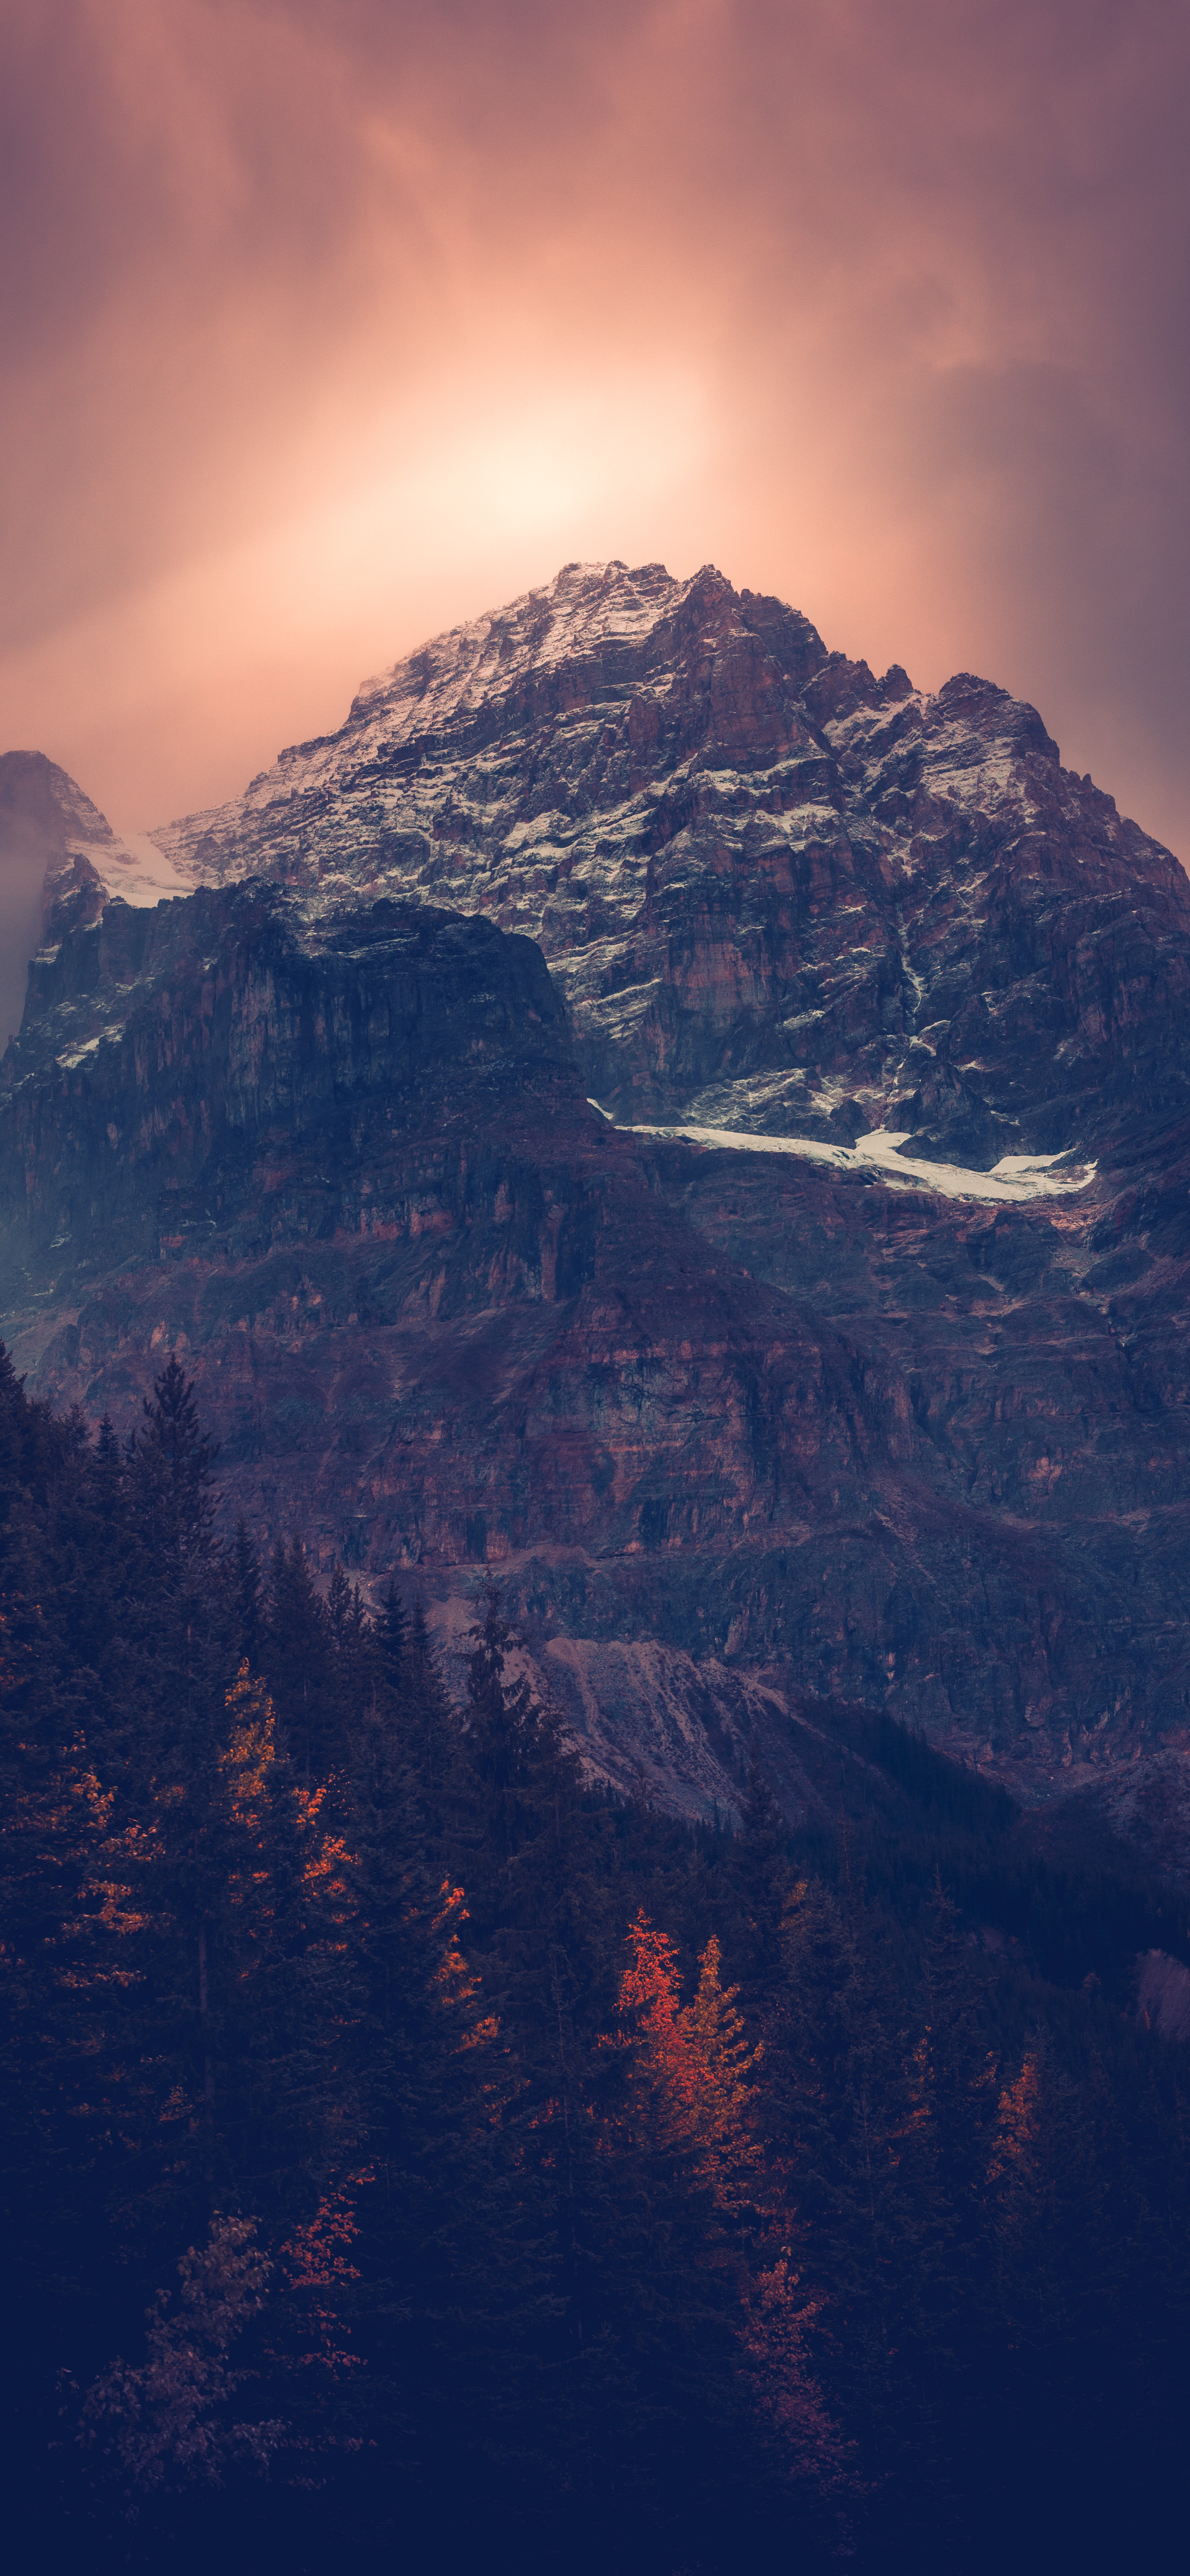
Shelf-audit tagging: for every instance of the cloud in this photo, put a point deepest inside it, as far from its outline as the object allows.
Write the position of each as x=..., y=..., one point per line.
x=324, y=328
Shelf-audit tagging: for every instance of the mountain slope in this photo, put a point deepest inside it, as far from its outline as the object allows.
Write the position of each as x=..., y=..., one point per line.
x=894, y=1419
x=778, y=893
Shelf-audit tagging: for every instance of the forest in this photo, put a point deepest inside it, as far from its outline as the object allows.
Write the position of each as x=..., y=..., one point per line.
x=412, y=2155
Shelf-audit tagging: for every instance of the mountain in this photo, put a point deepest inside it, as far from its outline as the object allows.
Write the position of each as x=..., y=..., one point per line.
x=55, y=843
x=783, y=1295
x=778, y=893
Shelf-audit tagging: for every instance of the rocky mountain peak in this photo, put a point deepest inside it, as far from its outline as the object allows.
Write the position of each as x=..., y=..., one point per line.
x=777, y=1291
x=584, y=612
x=777, y=890
x=50, y=836
x=44, y=808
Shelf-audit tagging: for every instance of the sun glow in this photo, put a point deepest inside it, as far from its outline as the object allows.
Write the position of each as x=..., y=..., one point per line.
x=250, y=647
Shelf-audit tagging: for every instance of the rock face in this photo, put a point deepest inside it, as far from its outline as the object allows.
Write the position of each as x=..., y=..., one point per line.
x=751, y=1435
x=212, y=1076
x=48, y=832
x=778, y=893
x=1163, y=1995
x=57, y=849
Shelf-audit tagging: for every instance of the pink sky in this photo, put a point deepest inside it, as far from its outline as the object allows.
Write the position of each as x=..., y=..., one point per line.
x=326, y=323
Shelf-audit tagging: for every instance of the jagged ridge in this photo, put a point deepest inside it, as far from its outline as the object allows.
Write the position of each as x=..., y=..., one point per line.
x=744, y=1436
x=778, y=893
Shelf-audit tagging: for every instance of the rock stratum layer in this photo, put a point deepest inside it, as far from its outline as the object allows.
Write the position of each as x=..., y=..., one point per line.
x=753, y=1431
x=777, y=892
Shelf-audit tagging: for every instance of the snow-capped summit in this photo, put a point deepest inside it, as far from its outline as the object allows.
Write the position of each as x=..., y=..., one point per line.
x=859, y=1385
x=781, y=895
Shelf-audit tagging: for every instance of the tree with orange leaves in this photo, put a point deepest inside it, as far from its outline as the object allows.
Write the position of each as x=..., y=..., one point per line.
x=708, y=2306
x=692, y=2071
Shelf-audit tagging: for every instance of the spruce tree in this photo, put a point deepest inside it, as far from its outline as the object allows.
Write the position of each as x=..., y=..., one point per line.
x=393, y=1627
x=761, y=1878
x=249, y=1595
x=452, y=2288
x=298, y=1666
x=846, y=2128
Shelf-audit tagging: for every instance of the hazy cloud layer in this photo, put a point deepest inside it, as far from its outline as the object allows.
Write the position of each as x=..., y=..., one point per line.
x=325, y=326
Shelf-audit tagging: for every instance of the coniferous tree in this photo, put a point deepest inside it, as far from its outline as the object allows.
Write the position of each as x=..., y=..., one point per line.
x=319, y=2043
x=392, y=1638
x=170, y=1463
x=408, y=1693
x=297, y=1658
x=762, y=1880
x=847, y=2125
x=1060, y=2236
x=451, y=2282
x=249, y=1595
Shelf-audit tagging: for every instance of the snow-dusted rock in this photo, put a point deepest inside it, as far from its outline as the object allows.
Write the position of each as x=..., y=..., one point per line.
x=779, y=894
x=831, y=1356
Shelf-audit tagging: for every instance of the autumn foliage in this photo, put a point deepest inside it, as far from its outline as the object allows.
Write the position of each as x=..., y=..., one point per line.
x=403, y=2144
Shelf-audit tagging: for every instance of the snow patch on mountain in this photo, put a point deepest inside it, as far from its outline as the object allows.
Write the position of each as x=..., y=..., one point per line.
x=135, y=870
x=1015, y=1179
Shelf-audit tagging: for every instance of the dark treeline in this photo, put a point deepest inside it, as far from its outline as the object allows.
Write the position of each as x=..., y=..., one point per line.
x=408, y=2152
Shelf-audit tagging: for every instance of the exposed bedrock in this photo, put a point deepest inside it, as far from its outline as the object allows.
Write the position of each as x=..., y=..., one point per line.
x=777, y=891
x=741, y=1435
x=749, y=1439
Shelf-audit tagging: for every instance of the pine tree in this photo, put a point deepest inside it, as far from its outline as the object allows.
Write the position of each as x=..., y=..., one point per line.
x=297, y=1659
x=504, y=1729
x=392, y=1638
x=1054, y=2229
x=60, y=1976
x=249, y=1595
x=451, y=2284
x=170, y=1462
x=690, y=2347
x=957, y=2066
x=762, y=1880
x=426, y=1729
x=847, y=2130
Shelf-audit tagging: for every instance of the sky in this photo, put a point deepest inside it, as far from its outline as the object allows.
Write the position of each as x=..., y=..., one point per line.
x=327, y=323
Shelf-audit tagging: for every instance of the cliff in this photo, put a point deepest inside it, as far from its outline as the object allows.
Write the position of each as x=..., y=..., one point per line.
x=778, y=893
x=869, y=1390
